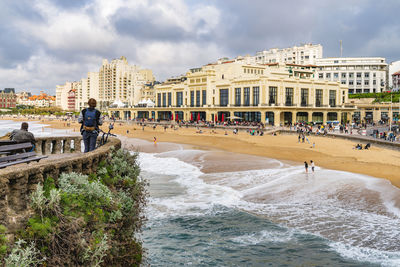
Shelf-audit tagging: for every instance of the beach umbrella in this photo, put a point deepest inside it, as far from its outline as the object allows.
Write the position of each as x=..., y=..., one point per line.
x=191, y=116
x=198, y=116
x=223, y=117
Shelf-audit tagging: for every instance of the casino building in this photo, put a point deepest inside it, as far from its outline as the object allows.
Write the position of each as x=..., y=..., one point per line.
x=238, y=90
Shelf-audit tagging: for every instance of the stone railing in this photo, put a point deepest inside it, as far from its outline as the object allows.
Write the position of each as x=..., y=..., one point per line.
x=58, y=145
x=19, y=181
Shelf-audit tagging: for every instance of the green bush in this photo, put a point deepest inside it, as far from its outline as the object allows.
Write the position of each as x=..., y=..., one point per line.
x=378, y=97
x=90, y=220
x=3, y=242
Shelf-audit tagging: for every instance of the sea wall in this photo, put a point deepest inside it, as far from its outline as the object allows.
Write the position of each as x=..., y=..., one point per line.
x=17, y=182
x=354, y=138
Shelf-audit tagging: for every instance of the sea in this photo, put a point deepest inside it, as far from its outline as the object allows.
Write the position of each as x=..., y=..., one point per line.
x=216, y=208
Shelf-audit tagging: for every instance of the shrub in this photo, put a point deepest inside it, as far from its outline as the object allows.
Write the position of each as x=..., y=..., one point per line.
x=90, y=220
x=24, y=256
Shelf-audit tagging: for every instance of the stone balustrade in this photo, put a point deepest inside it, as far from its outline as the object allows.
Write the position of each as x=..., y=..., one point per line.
x=58, y=145
x=19, y=181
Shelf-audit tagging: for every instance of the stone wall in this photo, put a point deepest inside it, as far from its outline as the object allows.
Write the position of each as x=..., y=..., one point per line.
x=17, y=182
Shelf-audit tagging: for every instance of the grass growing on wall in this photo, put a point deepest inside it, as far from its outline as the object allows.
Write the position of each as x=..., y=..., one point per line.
x=88, y=220
x=379, y=97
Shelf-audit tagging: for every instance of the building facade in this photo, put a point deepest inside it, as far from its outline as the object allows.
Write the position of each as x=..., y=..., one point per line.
x=62, y=93
x=249, y=92
x=115, y=81
x=306, y=54
x=360, y=75
x=71, y=99
x=393, y=68
x=396, y=81
x=368, y=111
x=8, y=98
x=42, y=100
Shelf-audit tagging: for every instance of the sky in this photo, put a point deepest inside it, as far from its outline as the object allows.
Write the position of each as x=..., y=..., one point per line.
x=45, y=43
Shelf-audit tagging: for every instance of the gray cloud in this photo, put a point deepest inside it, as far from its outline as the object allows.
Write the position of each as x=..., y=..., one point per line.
x=44, y=43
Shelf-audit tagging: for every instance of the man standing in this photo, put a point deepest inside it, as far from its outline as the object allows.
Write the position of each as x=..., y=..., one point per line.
x=23, y=135
x=90, y=120
x=306, y=166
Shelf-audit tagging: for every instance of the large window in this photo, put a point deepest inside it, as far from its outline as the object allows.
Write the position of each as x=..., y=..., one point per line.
x=192, y=98
x=289, y=97
x=223, y=97
x=159, y=100
x=179, y=99
x=238, y=96
x=272, y=94
x=318, y=97
x=246, y=96
x=256, y=96
x=164, y=99
x=332, y=98
x=204, y=97
x=304, y=97
x=169, y=99
x=197, y=98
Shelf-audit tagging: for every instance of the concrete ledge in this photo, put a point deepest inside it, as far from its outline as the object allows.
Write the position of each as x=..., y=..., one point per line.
x=17, y=182
x=355, y=138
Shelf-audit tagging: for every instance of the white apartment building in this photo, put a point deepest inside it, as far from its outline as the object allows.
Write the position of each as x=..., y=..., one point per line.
x=361, y=75
x=393, y=67
x=121, y=82
x=306, y=54
x=116, y=81
x=62, y=93
x=88, y=88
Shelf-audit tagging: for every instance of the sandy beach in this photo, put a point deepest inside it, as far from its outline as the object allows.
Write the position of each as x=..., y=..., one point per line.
x=328, y=153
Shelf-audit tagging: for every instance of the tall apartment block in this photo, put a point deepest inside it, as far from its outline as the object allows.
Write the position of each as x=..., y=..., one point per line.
x=361, y=75
x=115, y=81
x=306, y=54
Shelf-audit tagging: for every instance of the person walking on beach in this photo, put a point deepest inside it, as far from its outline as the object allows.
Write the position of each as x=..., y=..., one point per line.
x=90, y=120
x=306, y=166
x=312, y=166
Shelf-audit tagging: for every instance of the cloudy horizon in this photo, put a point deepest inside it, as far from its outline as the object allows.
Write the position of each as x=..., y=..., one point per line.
x=45, y=43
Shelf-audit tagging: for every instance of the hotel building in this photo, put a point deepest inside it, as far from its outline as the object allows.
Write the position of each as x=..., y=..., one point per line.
x=360, y=75
x=116, y=81
x=250, y=92
x=306, y=54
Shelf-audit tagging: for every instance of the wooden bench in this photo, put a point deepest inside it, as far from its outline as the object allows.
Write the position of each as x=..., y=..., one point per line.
x=16, y=153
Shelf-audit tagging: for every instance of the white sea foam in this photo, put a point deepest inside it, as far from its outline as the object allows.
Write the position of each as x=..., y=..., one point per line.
x=351, y=209
x=39, y=130
x=265, y=236
x=199, y=197
x=362, y=254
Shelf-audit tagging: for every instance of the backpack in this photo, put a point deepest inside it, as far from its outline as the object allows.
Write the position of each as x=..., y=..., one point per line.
x=89, y=120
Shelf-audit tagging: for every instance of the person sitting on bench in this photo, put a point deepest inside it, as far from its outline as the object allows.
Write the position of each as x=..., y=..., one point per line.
x=23, y=135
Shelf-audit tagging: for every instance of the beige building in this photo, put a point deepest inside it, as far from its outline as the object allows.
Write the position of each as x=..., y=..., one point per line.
x=62, y=94
x=119, y=81
x=368, y=111
x=116, y=81
x=234, y=89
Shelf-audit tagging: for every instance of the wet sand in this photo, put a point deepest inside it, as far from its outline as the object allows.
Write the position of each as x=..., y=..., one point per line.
x=328, y=153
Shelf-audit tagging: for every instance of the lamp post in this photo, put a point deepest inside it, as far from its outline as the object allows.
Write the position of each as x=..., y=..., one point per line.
x=390, y=111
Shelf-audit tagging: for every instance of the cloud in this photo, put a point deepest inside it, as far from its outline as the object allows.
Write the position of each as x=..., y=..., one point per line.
x=45, y=43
